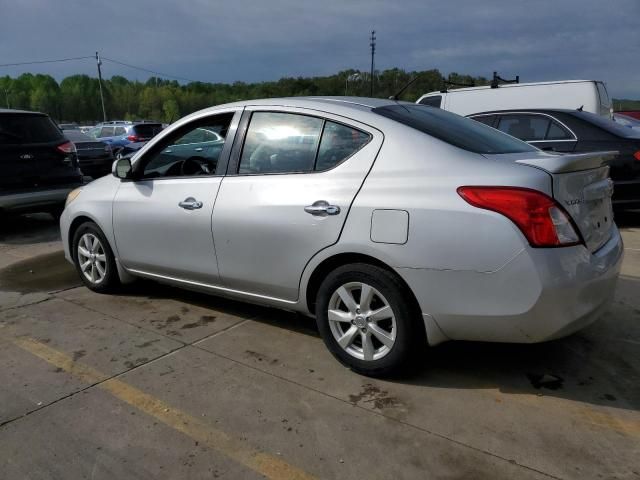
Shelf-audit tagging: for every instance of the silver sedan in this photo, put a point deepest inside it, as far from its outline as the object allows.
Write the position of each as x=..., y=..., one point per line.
x=396, y=225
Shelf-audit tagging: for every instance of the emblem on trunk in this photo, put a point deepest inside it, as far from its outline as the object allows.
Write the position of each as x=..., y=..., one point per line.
x=26, y=156
x=574, y=201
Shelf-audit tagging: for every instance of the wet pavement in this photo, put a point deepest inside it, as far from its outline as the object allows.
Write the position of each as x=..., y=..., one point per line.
x=157, y=382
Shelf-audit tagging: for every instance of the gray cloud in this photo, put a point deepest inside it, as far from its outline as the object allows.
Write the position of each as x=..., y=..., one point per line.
x=265, y=40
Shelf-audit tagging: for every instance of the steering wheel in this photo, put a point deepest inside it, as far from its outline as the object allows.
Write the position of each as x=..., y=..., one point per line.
x=193, y=166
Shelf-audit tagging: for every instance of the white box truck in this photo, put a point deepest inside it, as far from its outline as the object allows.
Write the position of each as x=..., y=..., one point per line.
x=589, y=95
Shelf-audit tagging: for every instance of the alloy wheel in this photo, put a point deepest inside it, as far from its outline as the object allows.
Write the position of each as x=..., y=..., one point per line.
x=362, y=321
x=92, y=258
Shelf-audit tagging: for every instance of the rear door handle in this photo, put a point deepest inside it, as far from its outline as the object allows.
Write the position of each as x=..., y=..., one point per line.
x=321, y=208
x=199, y=149
x=190, y=203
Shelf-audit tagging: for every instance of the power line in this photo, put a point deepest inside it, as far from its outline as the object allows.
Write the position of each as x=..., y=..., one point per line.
x=42, y=61
x=147, y=70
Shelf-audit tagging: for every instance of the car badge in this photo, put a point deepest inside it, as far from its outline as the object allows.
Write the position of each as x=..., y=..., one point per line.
x=26, y=156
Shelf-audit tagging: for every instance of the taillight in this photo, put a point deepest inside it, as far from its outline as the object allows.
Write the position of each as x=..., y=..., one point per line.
x=542, y=221
x=133, y=138
x=67, y=148
x=637, y=155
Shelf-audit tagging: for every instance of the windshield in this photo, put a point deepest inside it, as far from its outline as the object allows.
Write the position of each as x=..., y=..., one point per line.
x=18, y=128
x=455, y=130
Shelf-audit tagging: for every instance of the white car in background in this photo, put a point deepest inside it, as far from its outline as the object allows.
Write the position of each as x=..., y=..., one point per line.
x=587, y=95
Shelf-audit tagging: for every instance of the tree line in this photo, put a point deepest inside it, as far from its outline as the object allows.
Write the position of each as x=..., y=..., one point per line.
x=77, y=97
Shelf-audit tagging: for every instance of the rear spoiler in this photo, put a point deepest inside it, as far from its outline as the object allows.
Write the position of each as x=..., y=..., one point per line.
x=571, y=162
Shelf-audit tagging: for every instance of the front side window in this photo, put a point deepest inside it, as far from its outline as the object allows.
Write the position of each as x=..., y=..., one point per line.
x=280, y=143
x=453, y=129
x=107, y=132
x=191, y=150
x=525, y=127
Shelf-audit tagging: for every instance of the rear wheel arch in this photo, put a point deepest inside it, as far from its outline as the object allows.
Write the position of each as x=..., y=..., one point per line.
x=329, y=264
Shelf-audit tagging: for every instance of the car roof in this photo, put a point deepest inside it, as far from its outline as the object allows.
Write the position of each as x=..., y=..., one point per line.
x=352, y=107
x=10, y=110
x=526, y=110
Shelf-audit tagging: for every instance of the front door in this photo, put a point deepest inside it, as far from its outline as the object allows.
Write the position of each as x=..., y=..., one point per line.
x=287, y=195
x=162, y=219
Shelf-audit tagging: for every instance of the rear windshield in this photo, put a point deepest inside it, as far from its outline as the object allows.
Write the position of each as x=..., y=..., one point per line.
x=148, y=130
x=607, y=125
x=455, y=130
x=18, y=128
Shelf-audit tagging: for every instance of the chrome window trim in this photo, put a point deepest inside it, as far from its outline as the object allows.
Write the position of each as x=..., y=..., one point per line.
x=524, y=112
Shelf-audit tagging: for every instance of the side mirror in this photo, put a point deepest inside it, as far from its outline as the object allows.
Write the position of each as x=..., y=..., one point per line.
x=122, y=168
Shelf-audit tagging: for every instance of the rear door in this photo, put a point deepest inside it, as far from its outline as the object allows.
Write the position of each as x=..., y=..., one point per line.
x=291, y=183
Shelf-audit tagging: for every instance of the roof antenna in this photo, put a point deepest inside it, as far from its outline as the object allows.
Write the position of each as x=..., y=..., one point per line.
x=580, y=108
x=401, y=91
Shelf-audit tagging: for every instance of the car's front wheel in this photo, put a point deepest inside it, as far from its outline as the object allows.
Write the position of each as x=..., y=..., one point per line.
x=94, y=259
x=368, y=320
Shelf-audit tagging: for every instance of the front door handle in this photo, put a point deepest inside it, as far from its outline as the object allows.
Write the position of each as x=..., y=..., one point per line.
x=321, y=208
x=199, y=149
x=190, y=203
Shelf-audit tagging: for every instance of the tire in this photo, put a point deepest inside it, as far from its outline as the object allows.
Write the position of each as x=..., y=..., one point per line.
x=400, y=322
x=102, y=264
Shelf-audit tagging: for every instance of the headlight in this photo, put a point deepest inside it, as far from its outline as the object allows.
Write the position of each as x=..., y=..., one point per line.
x=73, y=194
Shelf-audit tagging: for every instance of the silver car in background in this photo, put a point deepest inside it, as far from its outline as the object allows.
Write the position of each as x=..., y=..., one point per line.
x=396, y=225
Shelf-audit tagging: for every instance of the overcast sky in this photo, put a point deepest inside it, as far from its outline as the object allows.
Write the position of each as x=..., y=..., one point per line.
x=251, y=40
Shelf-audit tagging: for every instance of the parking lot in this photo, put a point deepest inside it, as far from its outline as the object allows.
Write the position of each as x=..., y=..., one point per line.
x=162, y=383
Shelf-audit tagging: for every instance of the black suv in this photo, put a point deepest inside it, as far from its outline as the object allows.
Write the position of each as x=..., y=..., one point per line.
x=38, y=165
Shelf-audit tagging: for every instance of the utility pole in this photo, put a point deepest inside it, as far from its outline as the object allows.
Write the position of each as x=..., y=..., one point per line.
x=99, y=62
x=6, y=94
x=373, y=53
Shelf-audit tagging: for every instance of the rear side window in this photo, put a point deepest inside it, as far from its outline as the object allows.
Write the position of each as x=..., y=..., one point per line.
x=525, y=127
x=338, y=143
x=434, y=101
x=149, y=130
x=453, y=129
x=558, y=132
x=120, y=131
x=16, y=129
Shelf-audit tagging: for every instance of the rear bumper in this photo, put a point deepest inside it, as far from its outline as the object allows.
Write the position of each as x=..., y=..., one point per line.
x=35, y=200
x=540, y=295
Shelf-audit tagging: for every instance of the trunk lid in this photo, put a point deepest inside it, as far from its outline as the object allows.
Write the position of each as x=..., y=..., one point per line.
x=581, y=184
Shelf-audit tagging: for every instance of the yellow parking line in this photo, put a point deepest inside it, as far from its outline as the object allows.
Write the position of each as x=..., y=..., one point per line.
x=260, y=462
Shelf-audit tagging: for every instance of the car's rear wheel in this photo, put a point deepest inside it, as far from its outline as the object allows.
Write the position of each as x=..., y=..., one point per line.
x=368, y=320
x=94, y=259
